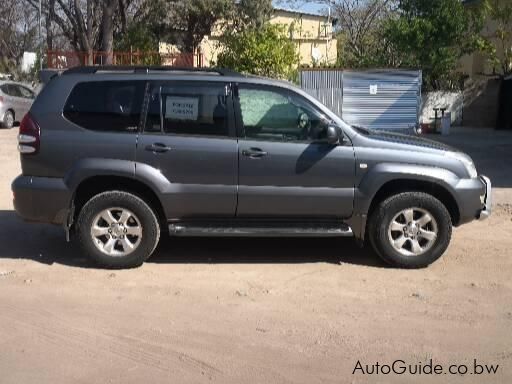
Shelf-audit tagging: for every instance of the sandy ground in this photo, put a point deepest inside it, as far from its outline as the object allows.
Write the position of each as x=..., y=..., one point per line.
x=255, y=311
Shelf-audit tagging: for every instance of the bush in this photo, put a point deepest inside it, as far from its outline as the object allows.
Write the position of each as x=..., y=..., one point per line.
x=266, y=51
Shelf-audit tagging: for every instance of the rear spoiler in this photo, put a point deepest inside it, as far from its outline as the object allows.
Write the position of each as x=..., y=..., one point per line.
x=46, y=75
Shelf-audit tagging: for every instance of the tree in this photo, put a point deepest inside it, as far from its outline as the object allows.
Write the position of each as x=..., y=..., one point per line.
x=86, y=24
x=358, y=29
x=17, y=34
x=265, y=51
x=432, y=36
x=251, y=14
x=187, y=22
x=499, y=44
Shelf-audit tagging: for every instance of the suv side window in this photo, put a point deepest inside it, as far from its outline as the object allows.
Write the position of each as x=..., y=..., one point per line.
x=275, y=114
x=113, y=106
x=189, y=109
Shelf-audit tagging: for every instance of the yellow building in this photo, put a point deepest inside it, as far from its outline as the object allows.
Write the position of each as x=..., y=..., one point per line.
x=478, y=64
x=312, y=34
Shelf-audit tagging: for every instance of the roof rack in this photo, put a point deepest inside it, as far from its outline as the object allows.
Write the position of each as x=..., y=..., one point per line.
x=147, y=69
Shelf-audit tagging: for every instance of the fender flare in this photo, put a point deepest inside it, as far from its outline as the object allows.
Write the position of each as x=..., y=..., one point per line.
x=383, y=173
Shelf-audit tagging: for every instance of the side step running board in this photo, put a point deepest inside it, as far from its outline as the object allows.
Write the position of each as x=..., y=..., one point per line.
x=341, y=230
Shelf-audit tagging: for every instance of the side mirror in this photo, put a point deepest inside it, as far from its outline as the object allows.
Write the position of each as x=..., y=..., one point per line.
x=334, y=135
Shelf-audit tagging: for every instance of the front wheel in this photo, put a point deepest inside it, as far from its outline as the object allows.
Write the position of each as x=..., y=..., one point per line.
x=410, y=230
x=118, y=229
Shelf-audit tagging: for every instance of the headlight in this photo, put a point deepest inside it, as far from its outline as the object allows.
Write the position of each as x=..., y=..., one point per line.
x=466, y=160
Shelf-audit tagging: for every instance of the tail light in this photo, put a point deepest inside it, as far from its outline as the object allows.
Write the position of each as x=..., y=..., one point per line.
x=1, y=99
x=29, y=138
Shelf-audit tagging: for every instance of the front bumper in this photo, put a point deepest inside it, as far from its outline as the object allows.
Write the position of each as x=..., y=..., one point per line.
x=486, y=199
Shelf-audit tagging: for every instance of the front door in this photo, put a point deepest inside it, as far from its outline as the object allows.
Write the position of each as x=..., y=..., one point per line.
x=189, y=140
x=286, y=168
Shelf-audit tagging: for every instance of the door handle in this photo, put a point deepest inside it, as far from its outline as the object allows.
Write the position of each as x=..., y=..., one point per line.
x=158, y=148
x=254, y=153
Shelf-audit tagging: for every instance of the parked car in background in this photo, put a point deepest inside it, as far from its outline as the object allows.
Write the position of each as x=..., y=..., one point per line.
x=15, y=101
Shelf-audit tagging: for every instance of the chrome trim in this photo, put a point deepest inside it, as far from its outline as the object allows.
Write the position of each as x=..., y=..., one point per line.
x=487, y=205
x=26, y=139
x=26, y=149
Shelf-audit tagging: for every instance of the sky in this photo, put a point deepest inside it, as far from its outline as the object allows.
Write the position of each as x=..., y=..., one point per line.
x=308, y=6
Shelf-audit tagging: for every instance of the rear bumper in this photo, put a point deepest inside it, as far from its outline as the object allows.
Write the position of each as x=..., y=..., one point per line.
x=41, y=199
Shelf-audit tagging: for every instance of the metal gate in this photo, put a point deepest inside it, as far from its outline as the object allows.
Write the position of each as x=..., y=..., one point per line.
x=378, y=99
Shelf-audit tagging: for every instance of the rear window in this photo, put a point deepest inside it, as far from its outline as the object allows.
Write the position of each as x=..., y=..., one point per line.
x=108, y=106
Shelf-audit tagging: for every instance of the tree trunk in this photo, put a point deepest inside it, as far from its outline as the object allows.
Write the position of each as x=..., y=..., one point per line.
x=107, y=30
x=49, y=24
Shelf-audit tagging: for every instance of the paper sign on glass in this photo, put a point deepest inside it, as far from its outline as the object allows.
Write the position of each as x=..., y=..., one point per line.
x=181, y=108
x=374, y=89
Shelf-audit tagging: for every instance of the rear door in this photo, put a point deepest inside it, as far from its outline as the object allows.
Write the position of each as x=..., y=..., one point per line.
x=26, y=99
x=287, y=169
x=189, y=137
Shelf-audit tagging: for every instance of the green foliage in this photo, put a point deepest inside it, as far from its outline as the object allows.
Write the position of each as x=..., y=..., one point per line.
x=197, y=19
x=138, y=37
x=251, y=14
x=498, y=46
x=184, y=22
x=433, y=35
x=265, y=51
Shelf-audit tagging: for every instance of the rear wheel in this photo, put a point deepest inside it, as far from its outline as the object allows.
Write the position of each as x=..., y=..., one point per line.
x=118, y=229
x=410, y=230
x=8, y=121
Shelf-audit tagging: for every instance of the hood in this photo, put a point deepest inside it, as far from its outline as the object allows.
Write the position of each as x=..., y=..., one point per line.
x=399, y=138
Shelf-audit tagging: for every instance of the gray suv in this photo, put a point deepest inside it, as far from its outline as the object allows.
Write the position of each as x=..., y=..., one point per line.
x=119, y=155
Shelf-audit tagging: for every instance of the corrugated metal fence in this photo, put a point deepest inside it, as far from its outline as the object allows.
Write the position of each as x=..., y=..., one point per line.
x=379, y=99
x=326, y=86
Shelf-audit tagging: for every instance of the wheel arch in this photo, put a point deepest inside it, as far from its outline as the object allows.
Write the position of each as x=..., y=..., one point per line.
x=94, y=185
x=396, y=186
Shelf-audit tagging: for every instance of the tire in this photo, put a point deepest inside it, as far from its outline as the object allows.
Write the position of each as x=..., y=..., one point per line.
x=389, y=226
x=8, y=121
x=118, y=230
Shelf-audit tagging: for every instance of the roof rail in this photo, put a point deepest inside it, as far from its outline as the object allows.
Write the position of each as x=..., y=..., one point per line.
x=147, y=69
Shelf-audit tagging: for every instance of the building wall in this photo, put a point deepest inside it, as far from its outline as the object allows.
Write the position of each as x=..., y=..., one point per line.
x=311, y=34
x=478, y=63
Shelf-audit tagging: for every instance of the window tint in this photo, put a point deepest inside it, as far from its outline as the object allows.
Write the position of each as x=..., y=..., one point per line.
x=4, y=89
x=189, y=109
x=153, y=119
x=106, y=106
x=279, y=115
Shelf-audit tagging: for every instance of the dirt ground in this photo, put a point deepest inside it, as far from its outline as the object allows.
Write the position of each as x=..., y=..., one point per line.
x=255, y=311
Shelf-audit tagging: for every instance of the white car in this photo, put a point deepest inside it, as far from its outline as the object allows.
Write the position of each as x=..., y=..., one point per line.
x=15, y=101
